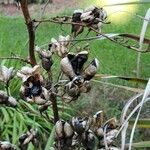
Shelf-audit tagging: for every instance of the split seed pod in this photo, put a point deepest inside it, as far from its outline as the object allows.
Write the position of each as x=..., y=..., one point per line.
x=91, y=70
x=67, y=68
x=76, y=18
x=59, y=129
x=68, y=130
x=46, y=57
x=5, y=145
x=6, y=74
x=78, y=61
x=72, y=90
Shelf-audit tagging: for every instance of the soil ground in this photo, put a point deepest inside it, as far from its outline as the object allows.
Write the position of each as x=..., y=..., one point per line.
x=56, y=7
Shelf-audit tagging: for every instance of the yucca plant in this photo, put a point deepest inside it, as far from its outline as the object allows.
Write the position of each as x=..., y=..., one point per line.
x=36, y=108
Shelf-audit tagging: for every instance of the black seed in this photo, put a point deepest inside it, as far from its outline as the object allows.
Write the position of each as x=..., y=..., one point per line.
x=36, y=90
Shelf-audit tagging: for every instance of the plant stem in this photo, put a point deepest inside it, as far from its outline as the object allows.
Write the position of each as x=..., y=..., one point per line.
x=7, y=88
x=54, y=107
x=31, y=32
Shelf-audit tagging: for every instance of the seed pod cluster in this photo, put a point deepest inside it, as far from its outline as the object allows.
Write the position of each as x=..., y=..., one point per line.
x=69, y=135
x=26, y=138
x=63, y=135
x=83, y=132
x=105, y=132
x=73, y=67
x=93, y=17
x=32, y=89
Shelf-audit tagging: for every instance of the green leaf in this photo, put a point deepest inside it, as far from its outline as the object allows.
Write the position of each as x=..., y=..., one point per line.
x=142, y=123
x=142, y=144
x=50, y=140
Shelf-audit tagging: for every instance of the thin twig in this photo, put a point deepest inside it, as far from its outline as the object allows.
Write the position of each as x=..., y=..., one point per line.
x=54, y=107
x=17, y=58
x=44, y=8
x=101, y=34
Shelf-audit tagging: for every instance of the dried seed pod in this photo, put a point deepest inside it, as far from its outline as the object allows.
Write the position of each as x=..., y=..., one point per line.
x=78, y=80
x=26, y=72
x=80, y=125
x=46, y=57
x=100, y=133
x=68, y=130
x=78, y=61
x=67, y=68
x=110, y=136
x=98, y=119
x=112, y=133
x=102, y=14
x=3, y=97
x=88, y=140
x=111, y=124
x=86, y=87
x=11, y=102
x=64, y=40
x=87, y=16
x=44, y=107
x=75, y=141
x=59, y=129
x=91, y=70
x=6, y=74
x=72, y=90
x=5, y=145
x=32, y=91
x=60, y=45
x=26, y=138
x=76, y=18
x=7, y=100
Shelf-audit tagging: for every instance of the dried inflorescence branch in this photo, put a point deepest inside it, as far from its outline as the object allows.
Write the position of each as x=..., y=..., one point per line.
x=92, y=17
x=72, y=67
x=84, y=132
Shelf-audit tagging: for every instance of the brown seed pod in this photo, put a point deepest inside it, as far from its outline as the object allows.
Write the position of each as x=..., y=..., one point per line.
x=77, y=29
x=67, y=68
x=68, y=130
x=91, y=70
